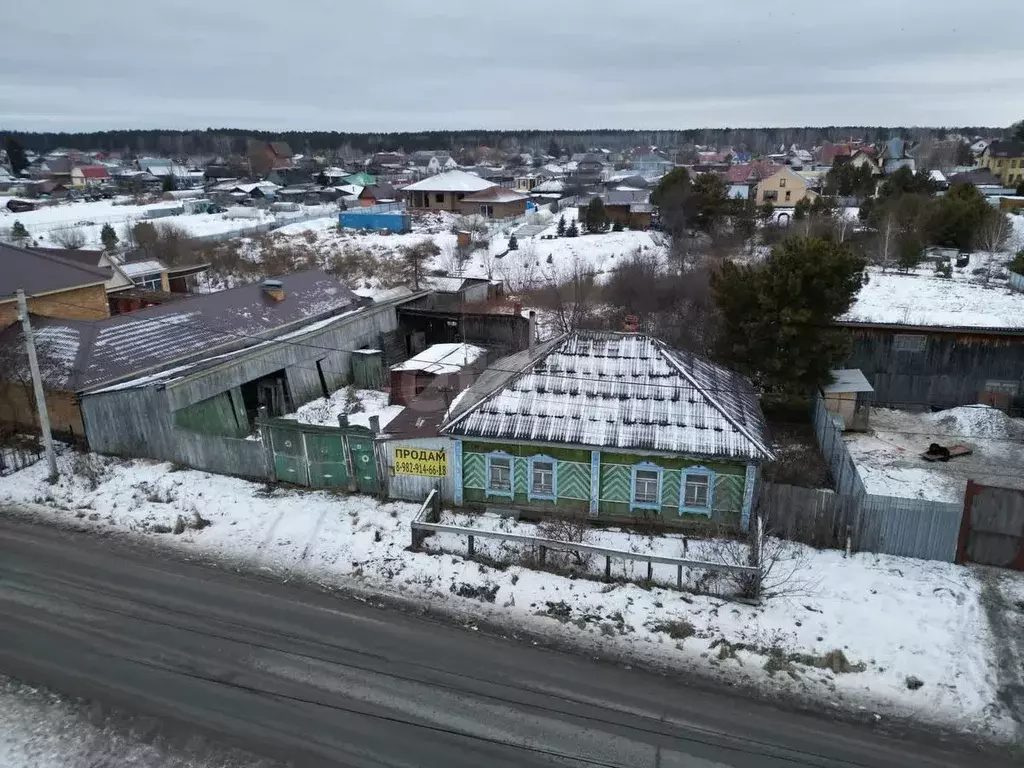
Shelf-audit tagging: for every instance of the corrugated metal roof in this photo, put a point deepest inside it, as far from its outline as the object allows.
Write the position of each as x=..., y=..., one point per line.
x=615, y=390
x=163, y=336
x=39, y=271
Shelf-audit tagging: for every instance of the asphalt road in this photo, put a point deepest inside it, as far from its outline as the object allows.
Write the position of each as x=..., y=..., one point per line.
x=318, y=680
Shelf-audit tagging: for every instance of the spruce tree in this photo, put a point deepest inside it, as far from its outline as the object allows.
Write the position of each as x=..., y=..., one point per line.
x=108, y=237
x=18, y=232
x=561, y=226
x=513, y=244
x=778, y=317
x=595, y=219
x=573, y=230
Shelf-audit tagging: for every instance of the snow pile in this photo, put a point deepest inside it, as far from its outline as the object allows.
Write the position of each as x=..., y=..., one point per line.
x=358, y=404
x=847, y=632
x=975, y=421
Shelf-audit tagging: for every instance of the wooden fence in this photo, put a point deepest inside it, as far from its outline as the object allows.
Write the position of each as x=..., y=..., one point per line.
x=868, y=523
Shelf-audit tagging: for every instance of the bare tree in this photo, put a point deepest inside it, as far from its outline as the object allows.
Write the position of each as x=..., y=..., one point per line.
x=569, y=290
x=70, y=238
x=993, y=237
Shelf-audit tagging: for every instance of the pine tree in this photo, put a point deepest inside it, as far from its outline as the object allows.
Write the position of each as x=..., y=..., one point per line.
x=108, y=237
x=778, y=316
x=561, y=226
x=573, y=230
x=18, y=232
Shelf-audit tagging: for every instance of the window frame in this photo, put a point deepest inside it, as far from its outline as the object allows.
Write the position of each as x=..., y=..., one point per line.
x=701, y=471
x=646, y=466
x=534, y=495
x=500, y=492
x=910, y=343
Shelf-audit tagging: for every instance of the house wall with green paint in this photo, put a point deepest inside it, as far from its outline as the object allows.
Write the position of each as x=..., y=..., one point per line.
x=615, y=482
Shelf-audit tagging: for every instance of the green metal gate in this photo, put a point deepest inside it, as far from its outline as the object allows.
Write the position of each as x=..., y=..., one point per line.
x=289, y=452
x=364, y=463
x=322, y=457
x=327, y=465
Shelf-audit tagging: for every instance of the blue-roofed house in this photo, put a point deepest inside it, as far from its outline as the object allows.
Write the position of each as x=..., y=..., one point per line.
x=611, y=426
x=894, y=155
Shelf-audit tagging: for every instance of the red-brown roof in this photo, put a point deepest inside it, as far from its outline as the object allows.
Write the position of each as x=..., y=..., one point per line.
x=829, y=152
x=93, y=171
x=745, y=173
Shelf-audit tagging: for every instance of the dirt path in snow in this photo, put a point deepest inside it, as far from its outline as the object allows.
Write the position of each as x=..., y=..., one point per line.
x=1002, y=594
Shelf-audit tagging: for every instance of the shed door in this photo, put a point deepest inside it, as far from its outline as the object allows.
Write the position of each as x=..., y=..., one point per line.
x=289, y=456
x=364, y=463
x=327, y=467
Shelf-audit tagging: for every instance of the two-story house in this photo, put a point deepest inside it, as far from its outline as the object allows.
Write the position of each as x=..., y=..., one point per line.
x=1006, y=160
x=784, y=189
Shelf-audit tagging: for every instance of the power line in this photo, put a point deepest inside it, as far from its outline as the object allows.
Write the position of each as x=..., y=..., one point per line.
x=610, y=381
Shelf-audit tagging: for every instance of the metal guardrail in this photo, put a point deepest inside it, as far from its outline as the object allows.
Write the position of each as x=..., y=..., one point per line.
x=420, y=528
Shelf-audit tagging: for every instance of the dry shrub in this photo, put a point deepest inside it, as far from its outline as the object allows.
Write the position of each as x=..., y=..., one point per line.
x=572, y=529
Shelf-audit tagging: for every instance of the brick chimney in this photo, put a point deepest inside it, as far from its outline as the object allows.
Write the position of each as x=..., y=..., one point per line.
x=273, y=289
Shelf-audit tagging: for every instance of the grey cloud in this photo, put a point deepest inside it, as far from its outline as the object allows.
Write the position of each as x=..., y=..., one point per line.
x=391, y=65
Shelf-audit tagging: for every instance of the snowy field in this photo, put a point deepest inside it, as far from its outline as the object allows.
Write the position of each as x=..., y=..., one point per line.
x=46, y=224
x=535, y=261
x=974, y=296
x=895, y=621
x=888, y=457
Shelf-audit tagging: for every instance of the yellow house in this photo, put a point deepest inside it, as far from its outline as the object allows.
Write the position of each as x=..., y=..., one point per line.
x=1006, y=160
x=784, y=189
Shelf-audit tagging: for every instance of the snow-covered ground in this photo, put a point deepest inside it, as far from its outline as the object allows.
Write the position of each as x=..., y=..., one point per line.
x=975, y=296
x=888, y=457
x=536, y=260
x=893, y=619
x=358, y=404
x=40, y=730
x=47, y=224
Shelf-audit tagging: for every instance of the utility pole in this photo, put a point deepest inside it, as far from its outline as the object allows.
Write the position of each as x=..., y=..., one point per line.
x=37, y=385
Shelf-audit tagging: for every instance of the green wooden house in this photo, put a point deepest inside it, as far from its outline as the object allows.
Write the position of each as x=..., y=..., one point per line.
x=616, y=426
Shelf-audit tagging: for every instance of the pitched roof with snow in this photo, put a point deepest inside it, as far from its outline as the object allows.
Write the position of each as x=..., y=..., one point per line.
x=159, y=337
x=617, y=390
x=451, y=181
x=442, y=358
x=93, y=171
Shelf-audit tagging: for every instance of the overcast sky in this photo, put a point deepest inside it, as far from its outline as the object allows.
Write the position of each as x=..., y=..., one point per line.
x=390, y=65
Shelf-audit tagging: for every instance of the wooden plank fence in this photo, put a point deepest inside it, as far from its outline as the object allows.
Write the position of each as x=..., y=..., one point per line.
x=884, y=524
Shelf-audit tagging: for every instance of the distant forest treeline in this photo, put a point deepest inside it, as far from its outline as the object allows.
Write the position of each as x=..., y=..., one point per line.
x=226, y=141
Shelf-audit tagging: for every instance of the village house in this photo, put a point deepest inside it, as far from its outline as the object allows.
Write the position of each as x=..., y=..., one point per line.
x=895, y=154
x=445, y=191
x=609, y=426
x=1005, y=159
x=55, y=286
x=784, y=189
x=929, y=342
x=185, y=381
x=862, y=157
x=494, y=203
x=627, y=206
x=83, y=176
